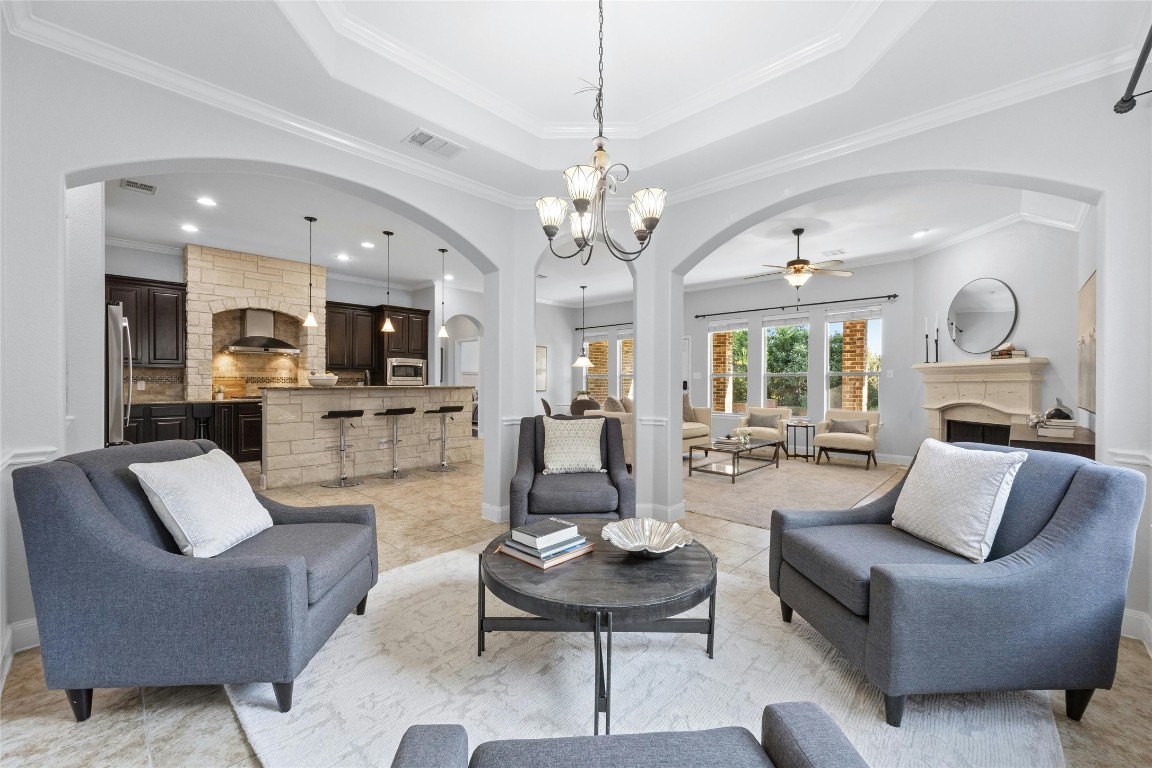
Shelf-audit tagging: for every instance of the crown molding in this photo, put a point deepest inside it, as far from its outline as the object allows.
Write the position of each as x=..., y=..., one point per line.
x=136, y=245
x=369, y=281
x=989, y=101
x=22, y=23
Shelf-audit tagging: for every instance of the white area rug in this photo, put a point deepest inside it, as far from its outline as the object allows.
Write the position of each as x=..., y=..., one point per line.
x=412, y=659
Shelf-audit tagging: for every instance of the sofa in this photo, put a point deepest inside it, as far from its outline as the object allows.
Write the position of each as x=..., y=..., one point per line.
x=627, y=430
x=792, y=735
x=534, y=496
x=117, y=605
x=698, y=432
x=846, y=442
x=1042, y=612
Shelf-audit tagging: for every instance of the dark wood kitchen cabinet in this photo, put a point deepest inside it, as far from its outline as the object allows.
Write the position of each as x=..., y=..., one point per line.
x=135, y=431
x=238, y=429
x=410, y=339
x=351, y=335
x=156, y=319
x=170, y=422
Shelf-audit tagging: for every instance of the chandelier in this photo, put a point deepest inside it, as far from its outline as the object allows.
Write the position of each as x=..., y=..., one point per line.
x=589, y=186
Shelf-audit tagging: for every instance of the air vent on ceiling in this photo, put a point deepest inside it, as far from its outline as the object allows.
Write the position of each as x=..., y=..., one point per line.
x=430, y=142
x=833, y=252
x=137, y=186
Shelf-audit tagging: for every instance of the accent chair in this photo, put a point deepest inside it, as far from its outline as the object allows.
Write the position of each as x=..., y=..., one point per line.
x=1042, y=612
x=847, y=442
x=698, y=432
x=767, y=433
x=117, y=605
x=535, y=496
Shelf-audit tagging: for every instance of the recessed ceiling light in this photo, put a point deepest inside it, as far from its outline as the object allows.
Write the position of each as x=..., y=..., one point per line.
x=189, y=227
x=449, y=277
x=343, y=257
x=206, y=201
x=920, y=232
x=367, y=244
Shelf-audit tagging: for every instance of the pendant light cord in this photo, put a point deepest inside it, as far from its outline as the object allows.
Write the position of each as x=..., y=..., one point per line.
x=583, y=322
x=310, y=219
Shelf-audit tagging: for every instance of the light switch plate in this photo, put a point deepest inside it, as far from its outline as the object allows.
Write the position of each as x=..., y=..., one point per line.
x=890, y=373
x=140, y=385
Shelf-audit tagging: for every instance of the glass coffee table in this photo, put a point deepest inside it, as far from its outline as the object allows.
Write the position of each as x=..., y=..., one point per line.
x=741, y=462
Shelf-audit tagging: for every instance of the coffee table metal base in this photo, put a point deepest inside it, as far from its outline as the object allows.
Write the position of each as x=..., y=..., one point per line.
x=602, y=628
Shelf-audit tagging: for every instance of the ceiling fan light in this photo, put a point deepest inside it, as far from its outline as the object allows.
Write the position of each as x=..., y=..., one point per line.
x=551, y=210
x=582, y=181
x=650, y=206
x=310, y=321
x=797, y=279
x=387, y=327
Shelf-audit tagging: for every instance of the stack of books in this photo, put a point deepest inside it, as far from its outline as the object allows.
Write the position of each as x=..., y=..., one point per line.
x=1057, y=428
x=546, y=543
x=728, y=442
x=1007, y=354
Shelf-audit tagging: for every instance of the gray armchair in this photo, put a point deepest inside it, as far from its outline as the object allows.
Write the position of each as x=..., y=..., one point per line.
x=117, y=604
x=535, y=496
x=1043, y=612
x=792, y=735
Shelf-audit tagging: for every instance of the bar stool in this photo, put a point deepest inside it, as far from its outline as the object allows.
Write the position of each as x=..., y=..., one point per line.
x=201, y=413
x=443, y=412
x=342, y=481
x=394, y=414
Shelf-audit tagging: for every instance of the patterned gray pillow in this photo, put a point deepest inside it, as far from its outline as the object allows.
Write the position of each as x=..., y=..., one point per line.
x=627, y=403
x=851, y=426
x=768, y=421
x=612, y=405
x=689, y=414
x=572, y=445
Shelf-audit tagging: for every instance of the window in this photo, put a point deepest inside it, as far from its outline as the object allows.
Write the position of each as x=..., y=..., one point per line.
x=627, y=365
x=596, y=377
x=729, y=345
x=854, y=347
x=786, y=366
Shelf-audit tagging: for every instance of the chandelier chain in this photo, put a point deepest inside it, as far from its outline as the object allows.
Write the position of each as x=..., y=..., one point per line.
x=598, y=112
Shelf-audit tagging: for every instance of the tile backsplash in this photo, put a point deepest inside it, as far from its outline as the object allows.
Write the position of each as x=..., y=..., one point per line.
x=160, y=385
x=243, y=374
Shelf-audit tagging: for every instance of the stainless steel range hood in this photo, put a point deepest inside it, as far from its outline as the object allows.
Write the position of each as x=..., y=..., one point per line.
x=258, y=330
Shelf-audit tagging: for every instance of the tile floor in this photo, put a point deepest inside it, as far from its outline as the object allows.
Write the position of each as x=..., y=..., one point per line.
x=419, y=517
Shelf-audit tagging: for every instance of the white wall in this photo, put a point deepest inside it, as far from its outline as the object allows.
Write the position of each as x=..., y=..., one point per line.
x=554, y=326
x=369, y=294
x=1039, y=264
x=148, y=265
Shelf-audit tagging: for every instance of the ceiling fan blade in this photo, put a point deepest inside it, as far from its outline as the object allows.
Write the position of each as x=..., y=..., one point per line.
x=774, y=266
x=831, y=272
x=830, y=263
x=763, y=274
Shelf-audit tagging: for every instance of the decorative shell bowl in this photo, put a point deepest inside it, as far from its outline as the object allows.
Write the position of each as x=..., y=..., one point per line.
x=646, y=537
x=326, y=380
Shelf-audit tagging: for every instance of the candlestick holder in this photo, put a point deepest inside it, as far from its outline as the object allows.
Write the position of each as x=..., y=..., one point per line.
x=937, y=345
x=926, y=349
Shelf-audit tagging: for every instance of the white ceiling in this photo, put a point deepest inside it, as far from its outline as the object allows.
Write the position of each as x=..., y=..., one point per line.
x=698, y=93
x=262, y=214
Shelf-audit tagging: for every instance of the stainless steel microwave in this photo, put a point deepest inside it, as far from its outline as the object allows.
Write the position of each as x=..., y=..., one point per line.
x=405, y=370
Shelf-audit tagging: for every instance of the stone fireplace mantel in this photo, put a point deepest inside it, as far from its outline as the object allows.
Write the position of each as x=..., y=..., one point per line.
x=984, y=391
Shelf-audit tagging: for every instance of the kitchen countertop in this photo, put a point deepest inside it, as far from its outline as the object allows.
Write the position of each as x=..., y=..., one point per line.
x=198, y=402
x=392, y=387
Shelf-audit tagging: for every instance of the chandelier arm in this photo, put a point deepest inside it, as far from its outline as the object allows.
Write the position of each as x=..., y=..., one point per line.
x=552, y=247
x=619, y=179
x=621, y=253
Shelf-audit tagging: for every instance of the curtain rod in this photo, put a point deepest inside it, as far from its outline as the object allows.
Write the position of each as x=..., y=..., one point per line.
x=889, y=297
x=606, y=325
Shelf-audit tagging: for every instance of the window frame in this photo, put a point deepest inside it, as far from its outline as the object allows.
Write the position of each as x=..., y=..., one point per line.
x=867, y=314
x=588, y=375
x=621, y=337
x=728, y=327
x=766, y=325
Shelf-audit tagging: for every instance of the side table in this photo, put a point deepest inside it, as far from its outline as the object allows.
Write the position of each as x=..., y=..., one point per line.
x=793, y=430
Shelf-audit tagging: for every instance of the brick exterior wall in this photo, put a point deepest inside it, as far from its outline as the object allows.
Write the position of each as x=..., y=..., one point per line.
x=220, y=281
x=855, y=358
x=598, y=354
x=722, y=363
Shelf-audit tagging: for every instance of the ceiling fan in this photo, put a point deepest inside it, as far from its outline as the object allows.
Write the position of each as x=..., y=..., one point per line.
x=798, y=270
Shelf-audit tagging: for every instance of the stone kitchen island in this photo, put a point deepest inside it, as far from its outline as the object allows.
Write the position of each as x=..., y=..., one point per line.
x=300, y=446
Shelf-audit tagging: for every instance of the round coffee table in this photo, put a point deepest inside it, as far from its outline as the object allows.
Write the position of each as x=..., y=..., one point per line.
x=606, y=591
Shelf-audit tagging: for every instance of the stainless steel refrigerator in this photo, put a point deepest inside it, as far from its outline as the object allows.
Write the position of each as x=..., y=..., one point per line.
x=119, y=339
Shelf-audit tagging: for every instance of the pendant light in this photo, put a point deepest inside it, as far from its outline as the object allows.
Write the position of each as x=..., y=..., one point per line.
x=443, y=334
x=582, y=361
x=388, y=327
x=310, y=320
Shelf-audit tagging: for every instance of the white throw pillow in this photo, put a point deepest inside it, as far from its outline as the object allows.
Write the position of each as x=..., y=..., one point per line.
x=205, y=502
x=954, y=497
x=572, y=445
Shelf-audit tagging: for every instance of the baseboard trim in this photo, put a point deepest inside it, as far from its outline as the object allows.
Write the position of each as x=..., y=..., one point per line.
x=1138, y=624
x=25, y=635
x=892, y=458
x=660, y=512
x=497, y=514
x=5, y=655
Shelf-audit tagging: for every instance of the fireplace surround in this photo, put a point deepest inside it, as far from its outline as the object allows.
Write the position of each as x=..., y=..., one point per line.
x=981, y=392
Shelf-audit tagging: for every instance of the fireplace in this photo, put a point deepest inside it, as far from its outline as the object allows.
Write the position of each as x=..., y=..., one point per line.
x=977, y=432
x=980, y=400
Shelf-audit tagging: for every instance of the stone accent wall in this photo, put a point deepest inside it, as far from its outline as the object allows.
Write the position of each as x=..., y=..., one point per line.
x=243, y=375
x=300, y=446
x=854, y=358
x=219, y=281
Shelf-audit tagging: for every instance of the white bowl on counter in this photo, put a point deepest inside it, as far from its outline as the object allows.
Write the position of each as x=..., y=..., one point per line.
x=323, y=380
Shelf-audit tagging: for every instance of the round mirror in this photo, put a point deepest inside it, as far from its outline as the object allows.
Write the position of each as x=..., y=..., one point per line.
x=982, y=315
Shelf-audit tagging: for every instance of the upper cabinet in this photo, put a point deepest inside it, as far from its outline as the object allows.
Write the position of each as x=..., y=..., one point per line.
x=410, y=339
x=156, y=319
x=351, y=336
